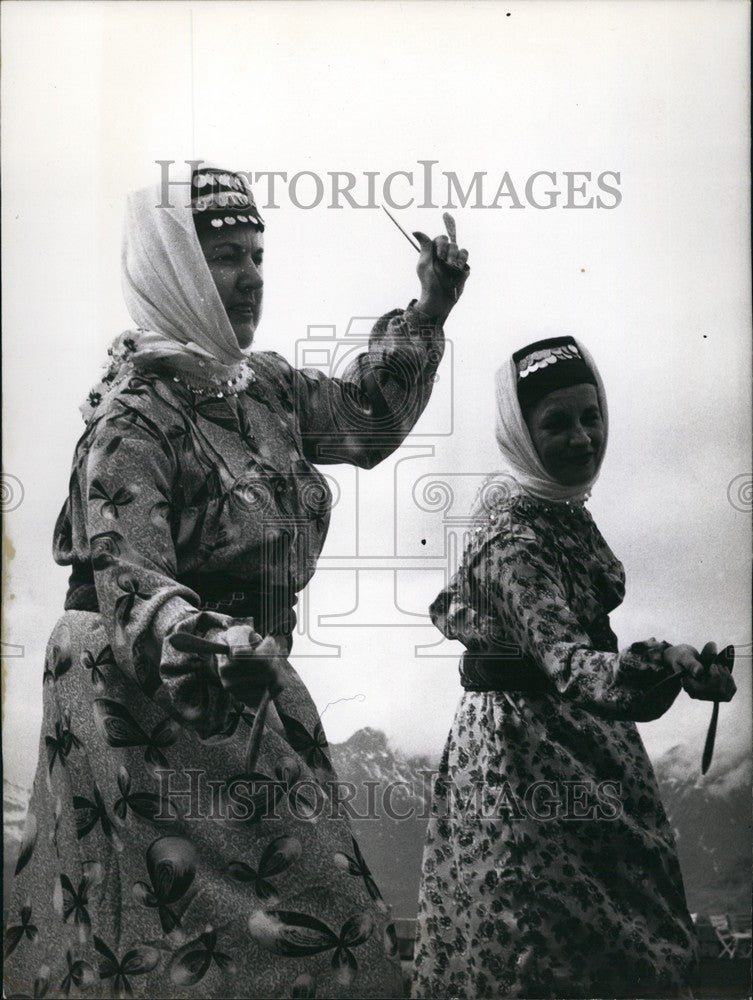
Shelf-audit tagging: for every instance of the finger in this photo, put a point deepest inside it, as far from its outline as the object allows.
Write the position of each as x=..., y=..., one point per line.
x=713, y=678
x=691, y=666
x=236, y=634
x=253, y=641
x=242, y=651
x=273, y=652
x=425, y=242
x=698, y=690
x=449, y=224
x=708, y=653
x=722, y=689
x=689, y=659
x=727, y=657
x=463, y=257
x=690, y=687
x=267, y=646
x=725, y=682
x=242, y=636
x=441, y=247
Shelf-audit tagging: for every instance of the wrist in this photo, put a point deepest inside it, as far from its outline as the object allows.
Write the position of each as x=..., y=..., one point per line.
x=434, y=307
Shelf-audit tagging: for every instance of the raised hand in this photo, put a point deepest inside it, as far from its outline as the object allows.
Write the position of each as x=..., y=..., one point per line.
x=442, y=270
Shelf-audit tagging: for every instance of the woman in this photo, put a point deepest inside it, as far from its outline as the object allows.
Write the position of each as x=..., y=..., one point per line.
x=155, y=863
x=549, y=868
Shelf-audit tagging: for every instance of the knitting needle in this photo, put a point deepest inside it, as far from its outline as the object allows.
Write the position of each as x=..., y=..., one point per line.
x=726, y=659
x=257, y=731
x=449, y=223
x=408, y=238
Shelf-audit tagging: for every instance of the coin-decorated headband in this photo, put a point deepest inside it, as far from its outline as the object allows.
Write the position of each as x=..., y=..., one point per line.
x=548, y=365
x=221, y=198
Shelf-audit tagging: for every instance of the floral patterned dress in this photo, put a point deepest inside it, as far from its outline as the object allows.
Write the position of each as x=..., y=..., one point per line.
x=549, y=868
x=152, y=864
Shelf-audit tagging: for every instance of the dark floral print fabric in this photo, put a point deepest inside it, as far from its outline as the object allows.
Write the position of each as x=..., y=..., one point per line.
x=549, y=868
x=153, y=865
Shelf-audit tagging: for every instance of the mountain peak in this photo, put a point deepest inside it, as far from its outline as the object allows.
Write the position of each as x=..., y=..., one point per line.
x=366, y=740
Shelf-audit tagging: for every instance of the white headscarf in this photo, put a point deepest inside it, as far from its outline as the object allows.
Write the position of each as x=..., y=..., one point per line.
x=170, y=295
x=521, y=461
x=167, y=285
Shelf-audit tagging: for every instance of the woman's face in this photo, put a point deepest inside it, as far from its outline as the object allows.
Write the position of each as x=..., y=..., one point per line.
x=235, y=255
x=567, y=431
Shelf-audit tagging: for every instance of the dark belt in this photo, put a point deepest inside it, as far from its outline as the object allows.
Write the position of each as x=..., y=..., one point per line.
x=270, y=607
x=491, y=671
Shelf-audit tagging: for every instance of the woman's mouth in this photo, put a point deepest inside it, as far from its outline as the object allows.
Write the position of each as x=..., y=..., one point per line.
x=244, y=310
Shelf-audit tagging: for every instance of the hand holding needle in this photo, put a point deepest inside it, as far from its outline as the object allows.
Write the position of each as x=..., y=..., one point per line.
x=449, y=262
x=184, y=642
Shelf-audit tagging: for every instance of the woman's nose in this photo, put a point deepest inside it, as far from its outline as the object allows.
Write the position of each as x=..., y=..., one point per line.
x=250, y=277
x=579, y=435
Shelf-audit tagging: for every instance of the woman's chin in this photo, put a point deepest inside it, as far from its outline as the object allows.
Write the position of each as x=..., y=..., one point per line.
x=244, y=333
x=576, y=476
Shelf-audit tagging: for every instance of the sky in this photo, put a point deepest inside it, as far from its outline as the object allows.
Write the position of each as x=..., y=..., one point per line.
x=656, y=283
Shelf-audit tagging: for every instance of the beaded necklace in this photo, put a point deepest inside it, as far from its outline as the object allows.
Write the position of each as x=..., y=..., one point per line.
x=121, y=366
x=557, y=506
x=215, y=386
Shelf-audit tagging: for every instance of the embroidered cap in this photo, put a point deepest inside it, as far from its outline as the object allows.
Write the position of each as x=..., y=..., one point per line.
x=221, y=198
x=547, y=365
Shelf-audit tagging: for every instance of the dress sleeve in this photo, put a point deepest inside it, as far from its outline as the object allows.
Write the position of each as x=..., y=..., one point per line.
x=129, y=478
x=522, y=585
x=364, y=416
